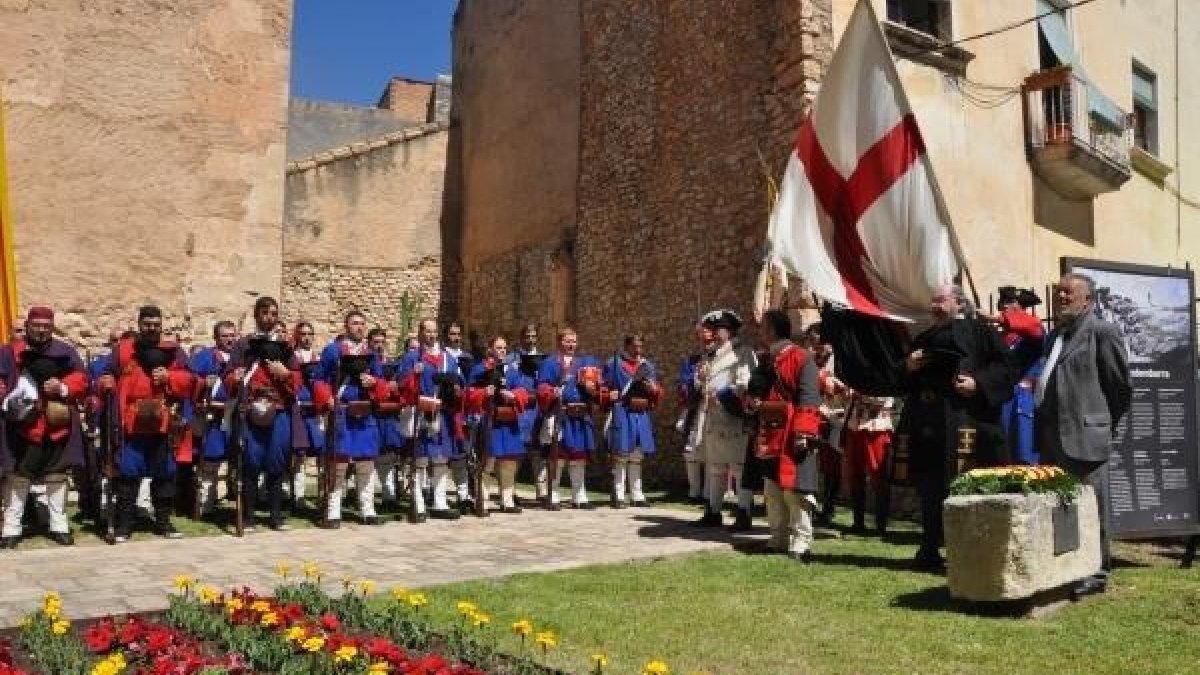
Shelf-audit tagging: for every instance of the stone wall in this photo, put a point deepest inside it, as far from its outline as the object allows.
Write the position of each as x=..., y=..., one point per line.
x=317, y=126
x=674, y=144
x=145, y=142
x=363, y=226
x=408, y=98
x=322, y=293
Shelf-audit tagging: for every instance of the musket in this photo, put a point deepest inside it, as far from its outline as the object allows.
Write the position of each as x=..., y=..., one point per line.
x=327, y=468
x=479, y=449
x=237, y=448
x=110, y=440
x=414, y=514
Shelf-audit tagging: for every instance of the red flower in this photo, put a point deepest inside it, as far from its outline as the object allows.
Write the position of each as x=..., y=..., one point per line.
x=158, y=639
x=100, y=637
x=329, y=621
x=131, y=631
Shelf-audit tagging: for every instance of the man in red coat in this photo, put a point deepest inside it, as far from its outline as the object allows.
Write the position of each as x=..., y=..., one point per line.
x=42, y=379
x=785, y=396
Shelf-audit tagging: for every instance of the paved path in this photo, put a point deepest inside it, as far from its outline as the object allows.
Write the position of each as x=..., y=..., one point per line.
x=99, y=580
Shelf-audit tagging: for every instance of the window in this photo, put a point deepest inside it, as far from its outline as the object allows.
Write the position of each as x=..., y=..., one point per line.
x=928, y=16
x=1145, y=108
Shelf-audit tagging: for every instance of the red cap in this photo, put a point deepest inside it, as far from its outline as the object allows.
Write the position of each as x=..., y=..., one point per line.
x=40, y=313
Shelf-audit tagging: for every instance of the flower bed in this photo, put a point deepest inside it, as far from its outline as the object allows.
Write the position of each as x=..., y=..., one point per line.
x=298, y=630
x=1017, y=479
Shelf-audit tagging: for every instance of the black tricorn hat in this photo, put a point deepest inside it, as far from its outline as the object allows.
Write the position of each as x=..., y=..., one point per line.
x=722, y=318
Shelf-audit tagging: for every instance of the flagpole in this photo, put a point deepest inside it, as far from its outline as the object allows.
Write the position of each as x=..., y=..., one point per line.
x=8, y=279
x=938, y=198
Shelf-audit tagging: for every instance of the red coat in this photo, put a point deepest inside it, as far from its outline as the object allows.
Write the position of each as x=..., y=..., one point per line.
x=283, y=391
x=796, y=382
x=135, y=384
x=76, y=382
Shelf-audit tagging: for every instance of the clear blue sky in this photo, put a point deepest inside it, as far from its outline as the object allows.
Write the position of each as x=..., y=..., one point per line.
x=345, y=50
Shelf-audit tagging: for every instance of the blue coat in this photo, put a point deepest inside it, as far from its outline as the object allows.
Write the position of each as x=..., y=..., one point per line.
x=578, y=433
x=629, y=430
x=1017, y=417
x=212, y=446
x=357, y=438
x=505, y=439
x=441, y=440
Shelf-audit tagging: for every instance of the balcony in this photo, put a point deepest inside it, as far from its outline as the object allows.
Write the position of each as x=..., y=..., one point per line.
x=1080, y=153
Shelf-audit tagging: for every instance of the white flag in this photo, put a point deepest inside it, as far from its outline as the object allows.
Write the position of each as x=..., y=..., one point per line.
x=858, y=215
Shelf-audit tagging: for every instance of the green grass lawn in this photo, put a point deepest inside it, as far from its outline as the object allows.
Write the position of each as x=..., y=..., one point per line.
x=855, y=609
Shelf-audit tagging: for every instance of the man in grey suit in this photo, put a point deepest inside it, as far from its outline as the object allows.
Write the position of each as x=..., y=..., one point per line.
x=1082, y=394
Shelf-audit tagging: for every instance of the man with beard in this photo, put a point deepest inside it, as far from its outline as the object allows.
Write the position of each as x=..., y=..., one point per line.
x=633, y=390
x=431, y=377
x=784, y=397
x=42, y=379
x=569, y=391
x=497, y=395
x=1083, y=392
x=355, y=378
x=722, y=379
x=690, y=400
x=210, y=367
x=529, y=357
x=957, y=378
x=263, y=365
x=152, y=383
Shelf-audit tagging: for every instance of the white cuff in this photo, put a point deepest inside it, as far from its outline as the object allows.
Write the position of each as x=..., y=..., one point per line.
x=65, y=392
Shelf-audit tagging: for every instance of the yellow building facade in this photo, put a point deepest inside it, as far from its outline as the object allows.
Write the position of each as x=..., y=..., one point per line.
x=1064, y=136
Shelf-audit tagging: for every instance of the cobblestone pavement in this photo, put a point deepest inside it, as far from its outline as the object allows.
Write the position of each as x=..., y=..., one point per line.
x=99, y=580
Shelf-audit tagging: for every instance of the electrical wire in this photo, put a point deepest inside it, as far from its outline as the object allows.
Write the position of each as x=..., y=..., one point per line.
x=1002, y=29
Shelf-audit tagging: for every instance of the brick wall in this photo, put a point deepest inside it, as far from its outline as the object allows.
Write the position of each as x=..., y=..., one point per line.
x=671, y=190
x=410, y=99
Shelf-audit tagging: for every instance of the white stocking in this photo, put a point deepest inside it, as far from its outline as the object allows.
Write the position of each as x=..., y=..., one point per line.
x=440, y=481
x=56, y=503
x=417, y=486
x=578, y=469
x=506, y=476
x=620, y=464
x=366, y=479
x=206, y=490
x=334, y=512
x=635, y=476
x=16, y=491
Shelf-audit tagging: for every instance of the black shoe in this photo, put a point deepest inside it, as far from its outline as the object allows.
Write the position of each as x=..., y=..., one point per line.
x=330, y=524
x=742, y=522
x=929, y=561
x=1089, y=586
x=444, y=514
x=62, y=538
x=372, y=520
x=697, y=501
x=553, y=506
x=583, y=506
x=858, y=529
x=279, y=525
x=418, y=518
x=166, y=530
x=640, y=504
x=710, y=519
x=9, y=542
x=466, y=506
x=389, y=506
x=618, y=503
x=803, y=558
x=511, y=509
x=823, y=520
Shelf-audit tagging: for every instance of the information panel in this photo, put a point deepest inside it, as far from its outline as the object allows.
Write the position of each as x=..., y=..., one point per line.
x=1154, y=479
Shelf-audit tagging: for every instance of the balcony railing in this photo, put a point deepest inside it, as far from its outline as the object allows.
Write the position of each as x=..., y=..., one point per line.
x=1079, y=152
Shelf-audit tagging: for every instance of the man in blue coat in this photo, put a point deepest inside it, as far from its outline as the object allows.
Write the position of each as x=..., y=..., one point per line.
x=570, y=392
x=211, y=438
x=633, y=391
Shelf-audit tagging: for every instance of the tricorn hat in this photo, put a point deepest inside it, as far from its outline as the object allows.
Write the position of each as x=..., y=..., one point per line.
x=722, y=318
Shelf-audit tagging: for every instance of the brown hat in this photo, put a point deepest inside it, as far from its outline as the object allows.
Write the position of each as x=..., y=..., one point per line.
x=40, y=313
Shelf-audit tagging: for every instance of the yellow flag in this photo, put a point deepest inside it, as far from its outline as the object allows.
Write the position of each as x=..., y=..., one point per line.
x=8, y=276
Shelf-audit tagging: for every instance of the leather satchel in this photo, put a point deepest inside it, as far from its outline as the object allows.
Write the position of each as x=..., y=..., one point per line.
x=429, y=405
x=58, y=415
x=638, y=404
x=149, y=416
x=261, y=413
x=773, y=414
x=505, y=414
x=576, y=410
x=358, y=409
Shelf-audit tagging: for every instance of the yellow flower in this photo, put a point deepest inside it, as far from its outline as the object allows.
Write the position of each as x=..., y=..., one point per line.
x=417, y=600
x=184, y=582
x=296, y=634
x=366, y=586
x=600, y=659
x=260, y=606
x=523, y=627
x=112, y=665
x=60, y=627
x=656, y=667
x=480, y=619
x=234, y=604
x=283, y=569
x=399, y=593
x=52, y=596
x=347, y=582
x=269, y=619
x=312, y=572
x=379, y=668
x=345, y=653
x=209, y=595
x=466, y=608
x=26, y=621
x=314, y=644
x=52, y=609
x=546, y=640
